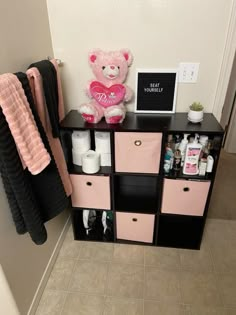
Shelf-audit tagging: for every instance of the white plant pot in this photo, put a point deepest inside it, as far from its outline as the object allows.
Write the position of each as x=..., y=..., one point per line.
x=195, y=116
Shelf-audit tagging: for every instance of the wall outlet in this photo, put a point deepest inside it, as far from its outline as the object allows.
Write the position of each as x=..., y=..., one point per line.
x=188, y=72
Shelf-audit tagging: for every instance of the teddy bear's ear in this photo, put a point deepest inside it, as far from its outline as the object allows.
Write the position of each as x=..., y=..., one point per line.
x=128, y=56
x=93, y=55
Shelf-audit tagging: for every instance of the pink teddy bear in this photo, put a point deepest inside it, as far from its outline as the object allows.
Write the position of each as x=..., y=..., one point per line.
x=107, y=92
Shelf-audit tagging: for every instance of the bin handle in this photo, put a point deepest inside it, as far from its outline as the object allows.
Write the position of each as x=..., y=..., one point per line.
x=138, y=143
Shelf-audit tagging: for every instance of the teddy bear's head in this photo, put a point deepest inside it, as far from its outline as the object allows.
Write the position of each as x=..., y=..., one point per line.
x=110, y=67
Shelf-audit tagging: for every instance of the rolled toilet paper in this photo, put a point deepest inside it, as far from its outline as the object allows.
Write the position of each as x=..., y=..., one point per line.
x=81, y=141
x=102, y=142
x=210, y=162
x=105, y=159
x=90, y=162
x=77, y=157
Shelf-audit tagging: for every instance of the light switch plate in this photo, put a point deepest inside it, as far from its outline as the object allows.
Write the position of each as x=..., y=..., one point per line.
x=188, y=72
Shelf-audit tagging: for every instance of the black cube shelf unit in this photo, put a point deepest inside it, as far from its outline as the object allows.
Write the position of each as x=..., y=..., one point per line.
x=140, y=203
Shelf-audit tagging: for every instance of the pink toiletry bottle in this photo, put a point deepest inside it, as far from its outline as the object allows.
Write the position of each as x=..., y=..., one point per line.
x=192, y=156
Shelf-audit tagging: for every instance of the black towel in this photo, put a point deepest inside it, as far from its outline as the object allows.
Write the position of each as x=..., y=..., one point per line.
x=48, y=187
x=24, y=207
x=49, y=77
x=33, y=199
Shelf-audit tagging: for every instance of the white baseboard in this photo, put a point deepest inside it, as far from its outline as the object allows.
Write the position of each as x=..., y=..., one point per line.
x=48, y=269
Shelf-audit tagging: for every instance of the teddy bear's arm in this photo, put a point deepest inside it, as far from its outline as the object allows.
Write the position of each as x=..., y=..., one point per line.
x=87, y=89
x=128, y=94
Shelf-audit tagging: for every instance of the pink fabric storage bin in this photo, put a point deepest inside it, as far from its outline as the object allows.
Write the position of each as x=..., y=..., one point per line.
x=91, y=191
x=137, y=152
x=135, y=226
x=184, y=197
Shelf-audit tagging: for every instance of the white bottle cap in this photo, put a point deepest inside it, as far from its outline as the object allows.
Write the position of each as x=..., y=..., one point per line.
x=203, y=140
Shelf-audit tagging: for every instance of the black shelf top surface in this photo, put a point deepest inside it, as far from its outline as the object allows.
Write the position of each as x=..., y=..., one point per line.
x=77, y=170
x=137, y=174
x=177, y=122
x=139, y=211
x=79, y=209
x=179, y=175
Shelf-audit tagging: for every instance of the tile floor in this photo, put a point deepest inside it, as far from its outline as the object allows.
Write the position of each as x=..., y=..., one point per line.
x=113, y=279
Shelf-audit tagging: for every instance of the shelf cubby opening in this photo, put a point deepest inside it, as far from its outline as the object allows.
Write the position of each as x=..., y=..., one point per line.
x=136, y=193
x=212, y=147
x=180, y=231
x=93, y=225
x=66, y=138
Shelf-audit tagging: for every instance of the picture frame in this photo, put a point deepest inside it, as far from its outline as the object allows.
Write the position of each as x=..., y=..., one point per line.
x=156, y=90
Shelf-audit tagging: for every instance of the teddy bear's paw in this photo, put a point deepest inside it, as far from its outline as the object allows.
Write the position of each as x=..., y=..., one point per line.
x=88, y=118
x=114, y=119
x=88, y=113
x=114, y=116
x=87, y=109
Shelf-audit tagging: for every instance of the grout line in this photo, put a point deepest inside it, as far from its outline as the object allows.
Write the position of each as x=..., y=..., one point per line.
x=76, y=291
x=107, y=261
x=82, y=245
x=144, y=256
x=72, y=274
x=107, y=278
x=144, y=276
x=116, y=297
x=144, y=283
x=211, y=258
x=64, y=303
x=166, y=268
x=104, y=306
x=180, y=287
x=81, y=292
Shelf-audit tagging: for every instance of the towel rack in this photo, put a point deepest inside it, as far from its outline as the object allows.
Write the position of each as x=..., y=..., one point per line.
x=59, y=62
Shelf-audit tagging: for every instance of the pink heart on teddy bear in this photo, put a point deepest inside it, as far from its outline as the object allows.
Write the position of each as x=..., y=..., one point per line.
x=107, y=96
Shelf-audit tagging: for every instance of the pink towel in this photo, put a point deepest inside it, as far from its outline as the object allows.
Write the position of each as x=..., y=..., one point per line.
x=36, y=86
x=21, y=122
x=61, y=107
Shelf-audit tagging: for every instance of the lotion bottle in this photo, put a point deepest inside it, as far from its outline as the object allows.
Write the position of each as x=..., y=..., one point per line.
x=192, y=156
x=183, y=146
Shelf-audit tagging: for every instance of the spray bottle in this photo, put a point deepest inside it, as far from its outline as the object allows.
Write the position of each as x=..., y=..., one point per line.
x=192, y=156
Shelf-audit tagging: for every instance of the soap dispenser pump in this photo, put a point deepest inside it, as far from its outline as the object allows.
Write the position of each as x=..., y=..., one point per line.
x=192, y=155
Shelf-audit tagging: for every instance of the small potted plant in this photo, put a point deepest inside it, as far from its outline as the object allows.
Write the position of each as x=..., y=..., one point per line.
x=195, y=114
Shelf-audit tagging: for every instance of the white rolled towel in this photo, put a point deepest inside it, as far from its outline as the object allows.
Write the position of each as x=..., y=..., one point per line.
x=102, y=142
x=91, y=162
x=105, y=159
x=7, y=302
x=77, y=157
x=81, y=141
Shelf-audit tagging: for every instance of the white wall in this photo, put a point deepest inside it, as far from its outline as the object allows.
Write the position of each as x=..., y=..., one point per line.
x=25, y=37
x=24, y=33
x=160, y=33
